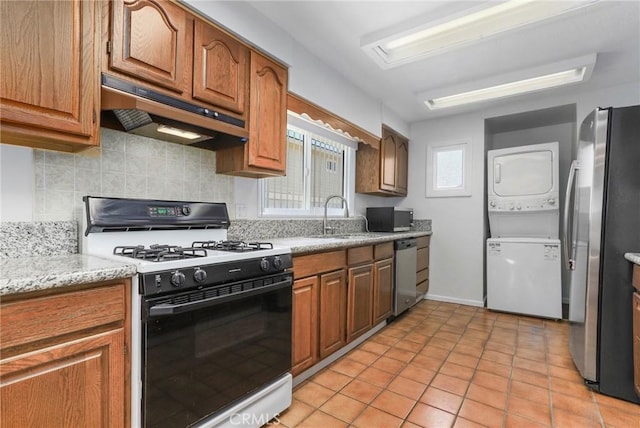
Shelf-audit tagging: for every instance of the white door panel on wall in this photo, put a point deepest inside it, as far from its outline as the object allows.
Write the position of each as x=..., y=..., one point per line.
x=17, y=183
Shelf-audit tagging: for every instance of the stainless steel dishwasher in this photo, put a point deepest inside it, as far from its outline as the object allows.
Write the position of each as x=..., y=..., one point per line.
x=406, y=255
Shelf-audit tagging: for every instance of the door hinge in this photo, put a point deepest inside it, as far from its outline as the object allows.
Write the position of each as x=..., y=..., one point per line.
x=108, y=46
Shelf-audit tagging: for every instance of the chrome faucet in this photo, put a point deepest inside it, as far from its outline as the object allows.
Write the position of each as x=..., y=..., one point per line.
x=326, y=228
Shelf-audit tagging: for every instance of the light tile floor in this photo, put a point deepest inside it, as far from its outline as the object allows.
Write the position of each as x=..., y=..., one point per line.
x=443, y=365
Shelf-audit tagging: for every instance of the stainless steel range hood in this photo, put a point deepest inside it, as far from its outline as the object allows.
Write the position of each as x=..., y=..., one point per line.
x=135, y=109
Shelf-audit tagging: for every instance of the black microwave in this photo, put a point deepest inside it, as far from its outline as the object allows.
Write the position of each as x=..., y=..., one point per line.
x=389, y=219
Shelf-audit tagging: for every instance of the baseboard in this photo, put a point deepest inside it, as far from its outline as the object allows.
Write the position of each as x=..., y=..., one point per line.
x=448, y=299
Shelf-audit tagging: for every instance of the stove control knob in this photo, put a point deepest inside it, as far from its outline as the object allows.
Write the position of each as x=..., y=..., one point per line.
x=186, y=210
x=199, y=275
x=264, y=264
x=177, y=279
x=277, y=262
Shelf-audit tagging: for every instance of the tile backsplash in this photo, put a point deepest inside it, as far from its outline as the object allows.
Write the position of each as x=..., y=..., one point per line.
x=126, y=165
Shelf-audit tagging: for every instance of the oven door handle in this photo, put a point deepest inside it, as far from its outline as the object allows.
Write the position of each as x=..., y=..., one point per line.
x=166, y=309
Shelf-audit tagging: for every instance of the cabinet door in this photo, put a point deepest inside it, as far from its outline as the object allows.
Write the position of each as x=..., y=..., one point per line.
x=150, y=42
x=74, y=384
x=333, y=302
x=359, y=301
x=423, y=258
x=219, y=68
x=388, y=162
x=402, y=166
x=268, y=114
x=305, y=324
x=49, y=85
x=636, y=342
x=382, y=290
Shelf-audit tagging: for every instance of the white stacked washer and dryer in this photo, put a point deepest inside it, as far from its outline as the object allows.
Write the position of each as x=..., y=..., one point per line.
x=523, y=251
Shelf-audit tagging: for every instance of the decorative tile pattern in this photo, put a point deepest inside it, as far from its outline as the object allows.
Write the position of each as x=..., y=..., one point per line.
x=126, y=165
x=494, y=379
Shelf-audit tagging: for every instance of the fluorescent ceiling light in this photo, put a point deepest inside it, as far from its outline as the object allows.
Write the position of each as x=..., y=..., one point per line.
x=551, y=76
x=393, y=48
x=187, y=135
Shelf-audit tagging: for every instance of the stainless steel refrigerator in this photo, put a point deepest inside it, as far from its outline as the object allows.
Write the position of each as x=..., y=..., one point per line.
x=602, y=222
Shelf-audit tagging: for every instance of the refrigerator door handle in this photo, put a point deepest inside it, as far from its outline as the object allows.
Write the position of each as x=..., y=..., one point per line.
x=568, y=243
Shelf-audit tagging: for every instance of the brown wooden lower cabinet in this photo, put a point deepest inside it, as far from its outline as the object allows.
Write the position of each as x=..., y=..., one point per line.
x=382, y=290
x=333, y=305
x=635, y=281
x=64, y=359
x=305, y=324
x=422, y=267
x=359, y=302
x=636, y=342
x=337, y=297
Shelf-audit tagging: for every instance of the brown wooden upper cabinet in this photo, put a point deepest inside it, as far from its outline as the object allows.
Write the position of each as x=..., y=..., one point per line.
x=383, y=172
x=49, y=87
x=220, y=68
x=158, y=44
x=150, y=41
x=265, y=154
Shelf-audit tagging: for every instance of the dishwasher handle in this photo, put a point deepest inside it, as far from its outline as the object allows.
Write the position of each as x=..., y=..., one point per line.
x=403, y=244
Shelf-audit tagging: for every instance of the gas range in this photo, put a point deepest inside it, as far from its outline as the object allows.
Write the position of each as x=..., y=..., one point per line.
x=182, y=243
x=206, y=302
x=171, y=268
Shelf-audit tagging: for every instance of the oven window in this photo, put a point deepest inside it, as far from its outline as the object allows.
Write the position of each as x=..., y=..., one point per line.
x=198, y=362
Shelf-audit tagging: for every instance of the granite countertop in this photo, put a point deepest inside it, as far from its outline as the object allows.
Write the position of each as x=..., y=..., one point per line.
x=309, y=244
x=25, y=274
x=633, y=257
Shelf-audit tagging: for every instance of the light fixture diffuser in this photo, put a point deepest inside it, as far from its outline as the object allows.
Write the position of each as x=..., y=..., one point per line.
x=397, y=46
x=187, y=135
x=508, y=89
x=526, y=81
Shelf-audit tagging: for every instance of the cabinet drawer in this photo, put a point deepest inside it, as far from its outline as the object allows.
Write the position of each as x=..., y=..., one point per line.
x=636, y=277
x=64, y=313
x=313, y=264
x=422, y=275
x=423, y=241
x=422, y=288
x=383, y=251
x=359, y=255
x=423, y=259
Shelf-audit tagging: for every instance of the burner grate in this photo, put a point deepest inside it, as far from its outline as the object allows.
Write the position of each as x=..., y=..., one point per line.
x=235, y=246
x=159, y=253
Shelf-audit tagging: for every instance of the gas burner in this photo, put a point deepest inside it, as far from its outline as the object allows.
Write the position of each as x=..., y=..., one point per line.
x=234, y=246
x=159, y=253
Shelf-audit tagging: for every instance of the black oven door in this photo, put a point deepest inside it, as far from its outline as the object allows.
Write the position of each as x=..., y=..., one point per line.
x=207, y=349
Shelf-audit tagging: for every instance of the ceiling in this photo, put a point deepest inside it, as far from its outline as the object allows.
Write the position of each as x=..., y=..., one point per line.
x=331, y=30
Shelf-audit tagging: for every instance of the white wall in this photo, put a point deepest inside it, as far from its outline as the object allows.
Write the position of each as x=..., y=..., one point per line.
x=456, y=253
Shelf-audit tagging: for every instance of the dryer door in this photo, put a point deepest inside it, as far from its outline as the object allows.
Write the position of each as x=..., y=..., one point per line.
x=523, y=174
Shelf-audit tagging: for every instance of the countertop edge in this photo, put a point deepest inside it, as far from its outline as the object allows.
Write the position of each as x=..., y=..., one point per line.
x=633, y=257
x=30, y=274
x=303, y=244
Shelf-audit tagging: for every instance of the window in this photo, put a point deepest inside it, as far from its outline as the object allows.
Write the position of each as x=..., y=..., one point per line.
x=448, y=169
x=320, y=163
